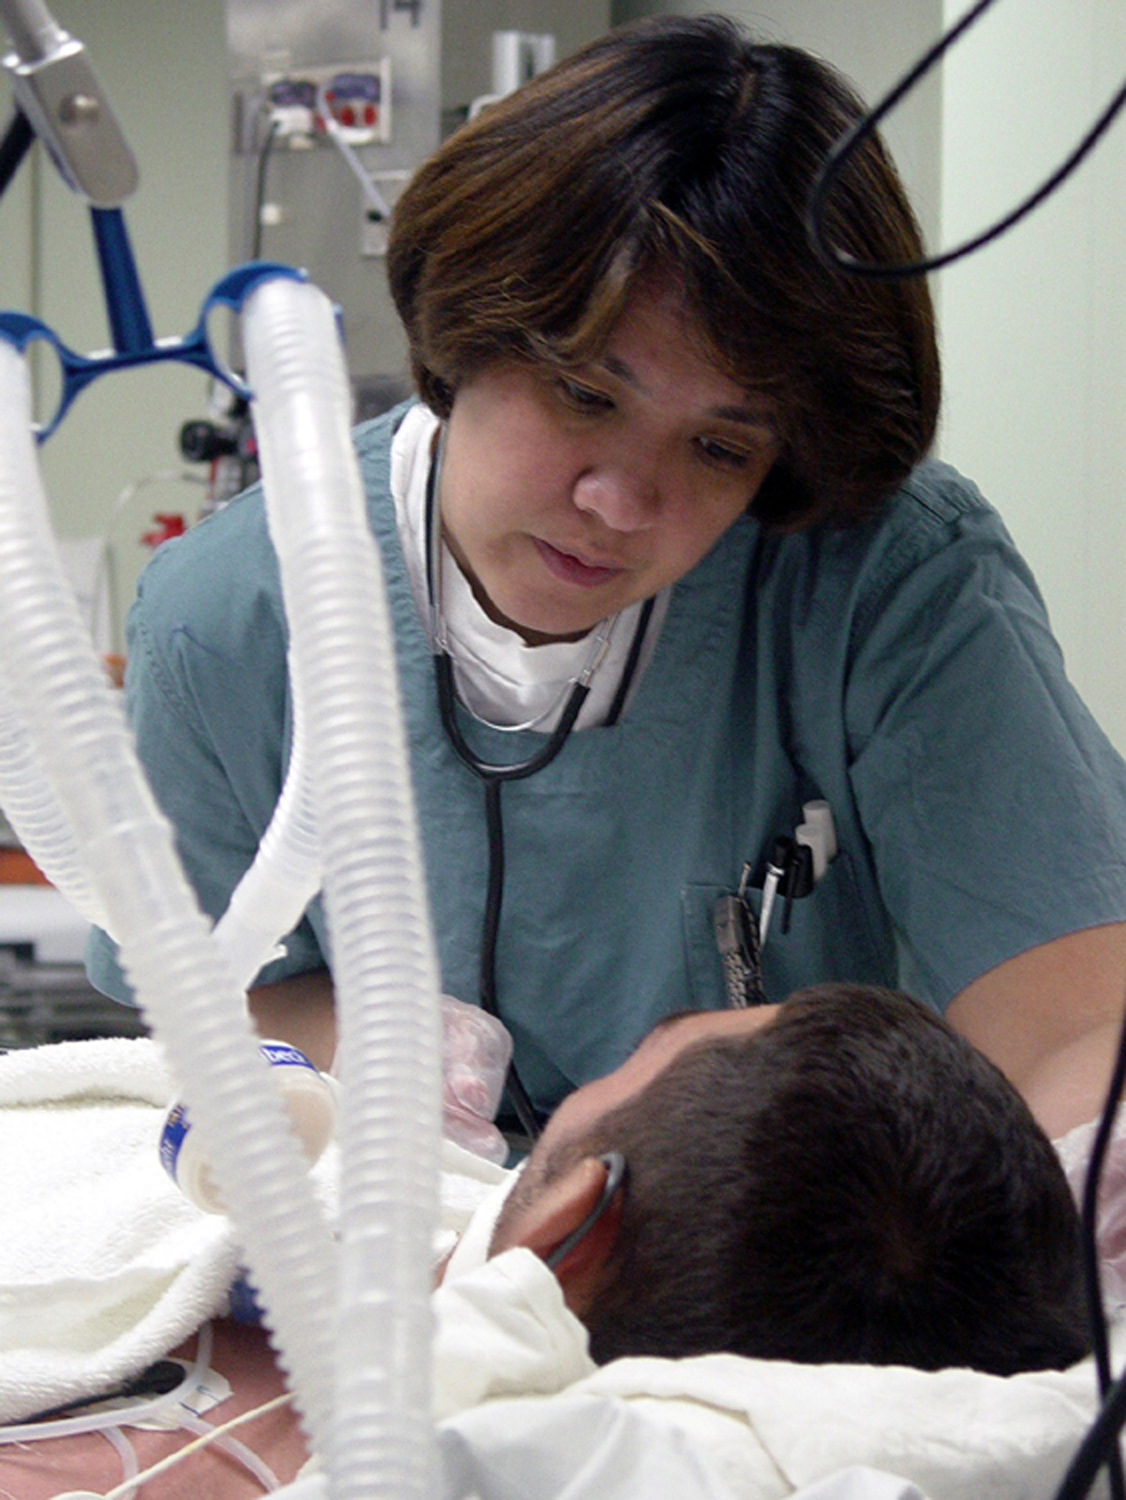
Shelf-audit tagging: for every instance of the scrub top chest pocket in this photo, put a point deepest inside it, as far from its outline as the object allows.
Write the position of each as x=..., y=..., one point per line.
x=794, y=867
x=802, y=921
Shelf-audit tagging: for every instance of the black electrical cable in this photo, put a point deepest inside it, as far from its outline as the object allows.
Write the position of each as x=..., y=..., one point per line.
x=616, y=1169
x=1094, y=1451
x=493, y=777
x=494, y=774
x=14, y=147
x=518, y=1095
x=630, y=668
x=1101, y=1445
x=1090, y=1216
x=849, y=143
x=156, y=1380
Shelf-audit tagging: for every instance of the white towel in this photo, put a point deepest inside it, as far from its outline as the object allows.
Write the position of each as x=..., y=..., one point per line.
x=523, y=1411
x=104, y=1265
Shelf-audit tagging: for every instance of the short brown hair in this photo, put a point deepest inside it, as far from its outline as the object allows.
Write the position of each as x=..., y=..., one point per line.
x=682, y=146
x=853, y=1183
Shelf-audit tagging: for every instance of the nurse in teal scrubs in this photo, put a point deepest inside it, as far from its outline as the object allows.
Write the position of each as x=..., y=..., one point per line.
x=663, y=523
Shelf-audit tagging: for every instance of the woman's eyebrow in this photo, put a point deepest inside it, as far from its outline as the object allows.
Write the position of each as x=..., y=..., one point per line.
x=746, y=416
x=760, y=414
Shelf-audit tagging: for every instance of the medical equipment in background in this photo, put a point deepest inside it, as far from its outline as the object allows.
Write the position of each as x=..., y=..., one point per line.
x=1101, y=1448
x=333, y=106
x=224, y=440
x=44, y=993
x=360, y=1372
x=517, y=56
x=297, y=196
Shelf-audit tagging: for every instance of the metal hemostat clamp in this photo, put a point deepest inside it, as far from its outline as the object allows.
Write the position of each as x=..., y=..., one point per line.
x=56, y=88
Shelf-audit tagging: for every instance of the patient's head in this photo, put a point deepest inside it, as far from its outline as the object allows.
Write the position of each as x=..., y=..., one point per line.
x=851, y=1181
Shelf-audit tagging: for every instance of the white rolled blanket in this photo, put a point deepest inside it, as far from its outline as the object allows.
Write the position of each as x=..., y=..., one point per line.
x=104, y=1265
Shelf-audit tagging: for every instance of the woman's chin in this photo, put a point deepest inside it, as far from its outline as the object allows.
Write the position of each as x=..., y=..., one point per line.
x=539, y=623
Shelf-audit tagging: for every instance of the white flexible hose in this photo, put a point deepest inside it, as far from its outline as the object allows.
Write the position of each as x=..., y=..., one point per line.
x=342, y=654
x=79, y=737
x=286, y=874
x=33, y=810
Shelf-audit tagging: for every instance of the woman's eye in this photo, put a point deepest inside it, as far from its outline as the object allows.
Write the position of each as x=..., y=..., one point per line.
x=584, y=397
x=716, y=452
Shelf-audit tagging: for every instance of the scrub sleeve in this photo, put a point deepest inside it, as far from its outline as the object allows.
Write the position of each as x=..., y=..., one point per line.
x=901, y=669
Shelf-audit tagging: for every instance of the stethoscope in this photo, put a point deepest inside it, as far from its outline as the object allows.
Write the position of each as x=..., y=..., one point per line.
x=494, y=775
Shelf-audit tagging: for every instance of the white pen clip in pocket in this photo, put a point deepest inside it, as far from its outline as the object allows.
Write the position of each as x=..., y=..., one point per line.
x=818, y=833
x=796, y=864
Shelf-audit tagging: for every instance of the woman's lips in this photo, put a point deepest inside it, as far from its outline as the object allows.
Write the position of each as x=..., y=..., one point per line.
x=572, y=569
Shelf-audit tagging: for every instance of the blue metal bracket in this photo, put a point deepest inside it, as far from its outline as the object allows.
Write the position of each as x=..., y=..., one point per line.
x=129, y=321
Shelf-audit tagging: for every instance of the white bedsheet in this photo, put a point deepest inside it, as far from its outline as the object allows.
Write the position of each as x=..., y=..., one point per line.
x=721, y=1425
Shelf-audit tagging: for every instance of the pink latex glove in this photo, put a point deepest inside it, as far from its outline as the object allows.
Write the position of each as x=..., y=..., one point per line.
x=476, y=1050
x=1074, y=1150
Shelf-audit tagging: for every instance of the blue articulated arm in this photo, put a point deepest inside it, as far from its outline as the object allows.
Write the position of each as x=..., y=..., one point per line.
x=60, y=102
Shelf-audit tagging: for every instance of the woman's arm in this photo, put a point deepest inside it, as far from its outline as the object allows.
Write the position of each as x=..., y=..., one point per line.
x=299, y=1010
x=1050, y=1020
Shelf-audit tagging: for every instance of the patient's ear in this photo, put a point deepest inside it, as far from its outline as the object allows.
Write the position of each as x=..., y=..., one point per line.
x=557, y=1212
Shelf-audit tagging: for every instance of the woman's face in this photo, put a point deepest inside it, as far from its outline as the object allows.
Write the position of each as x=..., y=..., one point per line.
x=568, y=495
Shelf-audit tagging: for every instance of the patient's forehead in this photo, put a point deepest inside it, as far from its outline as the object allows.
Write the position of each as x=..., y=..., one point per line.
x=676, y=1033
x=668, y=1040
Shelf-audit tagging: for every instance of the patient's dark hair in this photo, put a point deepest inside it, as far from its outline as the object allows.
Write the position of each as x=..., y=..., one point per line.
x=854, y=1183
x=683, y=147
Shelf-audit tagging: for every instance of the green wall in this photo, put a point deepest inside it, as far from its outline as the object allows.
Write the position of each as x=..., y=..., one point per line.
x=164, y=70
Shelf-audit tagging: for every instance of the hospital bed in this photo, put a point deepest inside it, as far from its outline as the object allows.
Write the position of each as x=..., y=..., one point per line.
x=111, y=1271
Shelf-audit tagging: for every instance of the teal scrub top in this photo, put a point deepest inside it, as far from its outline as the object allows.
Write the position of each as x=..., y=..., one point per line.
x=902, y=669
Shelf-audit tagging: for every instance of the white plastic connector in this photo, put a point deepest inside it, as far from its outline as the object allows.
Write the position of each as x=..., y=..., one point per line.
x=818, y=833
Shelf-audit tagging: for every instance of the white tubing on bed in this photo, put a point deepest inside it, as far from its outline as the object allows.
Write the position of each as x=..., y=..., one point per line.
x=79, y=736
x=342, y=653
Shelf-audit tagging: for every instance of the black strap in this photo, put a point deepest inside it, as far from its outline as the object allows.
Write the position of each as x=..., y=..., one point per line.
x=14, y=147
x=631, y=663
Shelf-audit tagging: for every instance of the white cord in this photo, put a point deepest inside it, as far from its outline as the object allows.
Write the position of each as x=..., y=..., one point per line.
x=245, y=1456
x=214, y=1434
x=335, y=134
x=101, y=579
x=117, y=1440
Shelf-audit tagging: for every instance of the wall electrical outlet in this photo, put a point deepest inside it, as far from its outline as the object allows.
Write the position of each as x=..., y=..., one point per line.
x=357, y=96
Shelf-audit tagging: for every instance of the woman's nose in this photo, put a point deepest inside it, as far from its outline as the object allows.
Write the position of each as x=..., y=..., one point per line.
x=623, y=498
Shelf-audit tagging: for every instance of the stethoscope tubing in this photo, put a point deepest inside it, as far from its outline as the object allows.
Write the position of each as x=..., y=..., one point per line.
x=493, y=776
